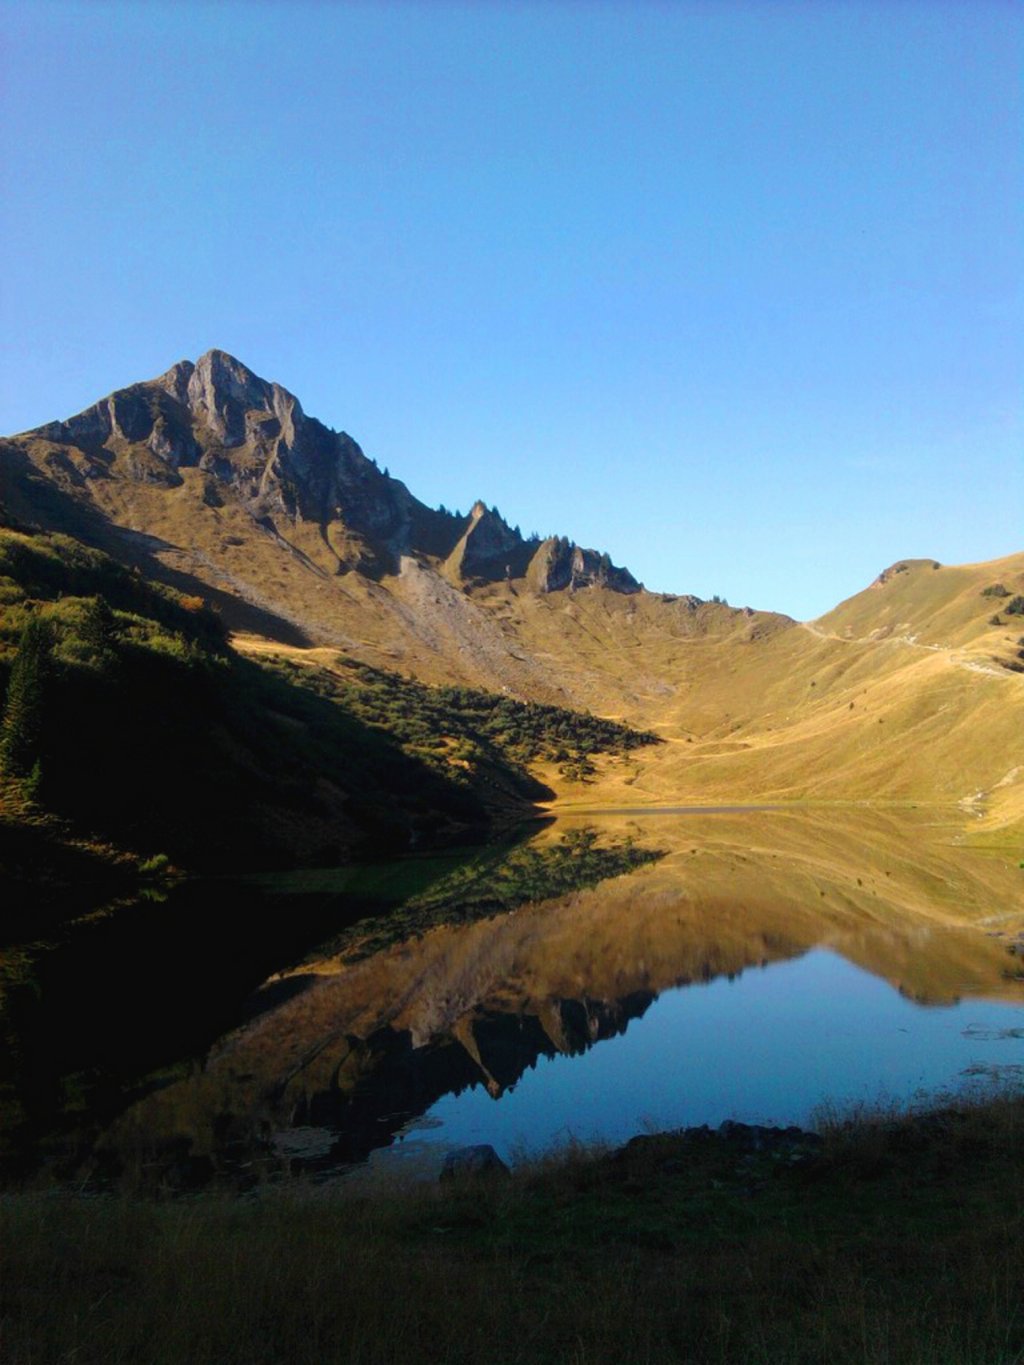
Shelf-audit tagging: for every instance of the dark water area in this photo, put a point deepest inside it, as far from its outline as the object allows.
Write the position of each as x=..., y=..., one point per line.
x=592, y=979
x=99, y=1011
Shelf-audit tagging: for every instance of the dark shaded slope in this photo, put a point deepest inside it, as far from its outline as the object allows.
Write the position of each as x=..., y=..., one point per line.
x=127, y=715
x=152, y=733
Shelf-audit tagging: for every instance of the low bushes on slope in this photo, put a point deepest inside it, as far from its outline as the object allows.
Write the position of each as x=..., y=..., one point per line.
x=467, y=724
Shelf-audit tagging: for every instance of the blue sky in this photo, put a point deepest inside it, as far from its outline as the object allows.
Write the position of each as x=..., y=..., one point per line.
x=731, y=290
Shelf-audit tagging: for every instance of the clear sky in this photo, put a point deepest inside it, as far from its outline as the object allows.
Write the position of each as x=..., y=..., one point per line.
x=732, y=290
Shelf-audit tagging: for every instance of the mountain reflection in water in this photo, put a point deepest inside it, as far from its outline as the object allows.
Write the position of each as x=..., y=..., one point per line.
x=387, y=1024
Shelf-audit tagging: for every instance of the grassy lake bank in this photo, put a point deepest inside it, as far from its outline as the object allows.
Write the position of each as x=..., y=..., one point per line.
x=899, y=1240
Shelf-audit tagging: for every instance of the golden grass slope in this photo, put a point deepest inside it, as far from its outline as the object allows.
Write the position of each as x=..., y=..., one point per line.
x=917, y=601
x=755, y=707
x=899, y=694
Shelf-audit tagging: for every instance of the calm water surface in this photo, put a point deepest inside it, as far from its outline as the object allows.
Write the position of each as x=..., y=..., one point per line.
x=611, y=975
x=769, y=1046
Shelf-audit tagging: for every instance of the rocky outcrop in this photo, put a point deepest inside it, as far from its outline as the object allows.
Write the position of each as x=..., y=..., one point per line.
x=559, y=564
x=489, y=544
x=488, y=549
x=232, y=403
x=251, y=437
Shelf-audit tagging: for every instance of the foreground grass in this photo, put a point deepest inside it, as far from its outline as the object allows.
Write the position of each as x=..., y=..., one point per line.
x=901, y=1242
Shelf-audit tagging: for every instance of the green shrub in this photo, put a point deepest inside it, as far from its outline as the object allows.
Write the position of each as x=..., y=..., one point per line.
x=157, y=866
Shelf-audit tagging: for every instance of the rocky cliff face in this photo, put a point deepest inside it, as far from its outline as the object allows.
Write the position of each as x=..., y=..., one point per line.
x=560, y=564
x=255, y=445
x=250, y=437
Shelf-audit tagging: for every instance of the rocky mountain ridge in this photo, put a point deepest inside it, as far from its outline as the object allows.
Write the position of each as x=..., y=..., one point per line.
x=250, y=440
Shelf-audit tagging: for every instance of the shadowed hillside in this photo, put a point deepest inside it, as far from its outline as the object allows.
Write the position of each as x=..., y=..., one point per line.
x=127, y=717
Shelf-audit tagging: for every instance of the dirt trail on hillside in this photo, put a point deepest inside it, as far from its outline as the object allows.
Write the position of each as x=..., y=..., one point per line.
x=955, y=658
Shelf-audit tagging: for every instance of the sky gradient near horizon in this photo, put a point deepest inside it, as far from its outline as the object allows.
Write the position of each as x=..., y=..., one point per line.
x=732, y=290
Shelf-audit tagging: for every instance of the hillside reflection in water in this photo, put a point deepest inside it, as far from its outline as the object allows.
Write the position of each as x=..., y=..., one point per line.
x=770, y=961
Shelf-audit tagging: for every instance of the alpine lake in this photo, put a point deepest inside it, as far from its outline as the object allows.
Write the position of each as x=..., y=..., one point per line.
x=599, y=976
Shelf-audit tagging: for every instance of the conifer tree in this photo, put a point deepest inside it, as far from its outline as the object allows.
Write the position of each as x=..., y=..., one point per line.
x=21, y=732
x=98, y=628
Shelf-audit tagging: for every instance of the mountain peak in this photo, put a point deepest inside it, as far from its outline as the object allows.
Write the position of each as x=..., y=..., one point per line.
x=221, y=391
x=253, y=446
x=226, y=371
x=175, y=380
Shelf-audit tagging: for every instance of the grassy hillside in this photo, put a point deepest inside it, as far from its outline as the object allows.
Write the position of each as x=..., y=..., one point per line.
x=128, y=716
x=970, y=606
x=850, y=707
x=906, y=693
x=464, y=727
